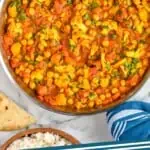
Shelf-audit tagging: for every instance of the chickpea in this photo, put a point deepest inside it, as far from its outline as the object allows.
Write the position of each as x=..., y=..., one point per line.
x=114, y=90
x=70, y=101
x=102, y=97
x=123, y=82
x=91, y=104
x=88, y=22
x=32, y=85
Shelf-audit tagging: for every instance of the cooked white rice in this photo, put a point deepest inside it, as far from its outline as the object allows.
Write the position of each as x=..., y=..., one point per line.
x=38, y=140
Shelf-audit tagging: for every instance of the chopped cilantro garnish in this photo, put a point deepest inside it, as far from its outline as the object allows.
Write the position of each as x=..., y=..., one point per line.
x=22, y=16
x=36, y=81
x=32, y=62
x=69, y=2
x=69, y=77
x=128, y=65
x=94, y=22
x=122, y=55
x=107, y=66
x=142, y=41
x=72, y=45
x=135, y=61
x=112, y=36
x=105, y=27
x=131, y=66
x=16, y=3
x=93, y=5
x=115, y=74
x=119, y=12
x=39, y=2
x=86, y=16
x=92, y=96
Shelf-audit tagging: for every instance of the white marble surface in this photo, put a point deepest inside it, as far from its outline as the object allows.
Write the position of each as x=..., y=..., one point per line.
x=85, y=128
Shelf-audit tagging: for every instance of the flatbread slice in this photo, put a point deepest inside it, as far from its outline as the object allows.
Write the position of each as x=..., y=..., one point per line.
x=12, y=117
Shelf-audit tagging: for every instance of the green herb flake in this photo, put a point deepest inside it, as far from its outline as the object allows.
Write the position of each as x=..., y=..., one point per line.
x=13, y=3
x=105, y=27
x=135, y=61
x=119, y=12
x=36, y=81
x=115, y=74
x=39, y=2
x=16, y=3
x=107, y=66
x=92, y=96
x=72, y=45
x=112, y=36
x=122, y=55
x=128, y=65
x=86, y=16
x=142, y=41
x=69, y=2
x=22, y=16
x=69, y=77
x=93, y=5
x=94, y=22
x=131, y=66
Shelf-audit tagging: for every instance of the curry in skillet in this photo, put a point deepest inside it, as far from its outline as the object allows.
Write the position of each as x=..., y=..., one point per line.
x=78, y=53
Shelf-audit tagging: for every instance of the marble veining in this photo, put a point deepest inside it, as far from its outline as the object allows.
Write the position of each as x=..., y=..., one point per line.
x=85, y=128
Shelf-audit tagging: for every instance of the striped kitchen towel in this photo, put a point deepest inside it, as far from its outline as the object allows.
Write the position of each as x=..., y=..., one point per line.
x=130, y=121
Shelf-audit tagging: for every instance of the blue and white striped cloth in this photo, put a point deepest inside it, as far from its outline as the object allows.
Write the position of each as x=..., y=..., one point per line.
x=130, y=121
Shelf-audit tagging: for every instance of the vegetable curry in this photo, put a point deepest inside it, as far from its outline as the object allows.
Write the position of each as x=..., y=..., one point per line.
x=78, y=53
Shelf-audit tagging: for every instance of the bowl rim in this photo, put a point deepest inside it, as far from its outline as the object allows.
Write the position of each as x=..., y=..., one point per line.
x=28, y=132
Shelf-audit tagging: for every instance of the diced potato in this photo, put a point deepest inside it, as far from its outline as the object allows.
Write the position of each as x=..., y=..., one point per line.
x=24, y=42
x=39, y=58
x=143, y=14
x=70, y=92
x=32, y=85
x=53, y=34
x=50, y=74
x=70, y=101
x=95, y=82
x=91, y=104
x=105, y=43
x=15, y=28
x=12, y=11
x=123, y=82
x=47, y=54
x=86, y=84
x=28, y=35
x=31, y=11
x=61, y=100
x=114, y=90
x=15, y=48
x=140, y=27
x=114, y=10
x=86, y=72
x=78, y=105
x=105, y=31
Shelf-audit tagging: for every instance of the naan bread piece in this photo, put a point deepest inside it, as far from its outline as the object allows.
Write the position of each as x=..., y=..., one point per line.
x=12, y=117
